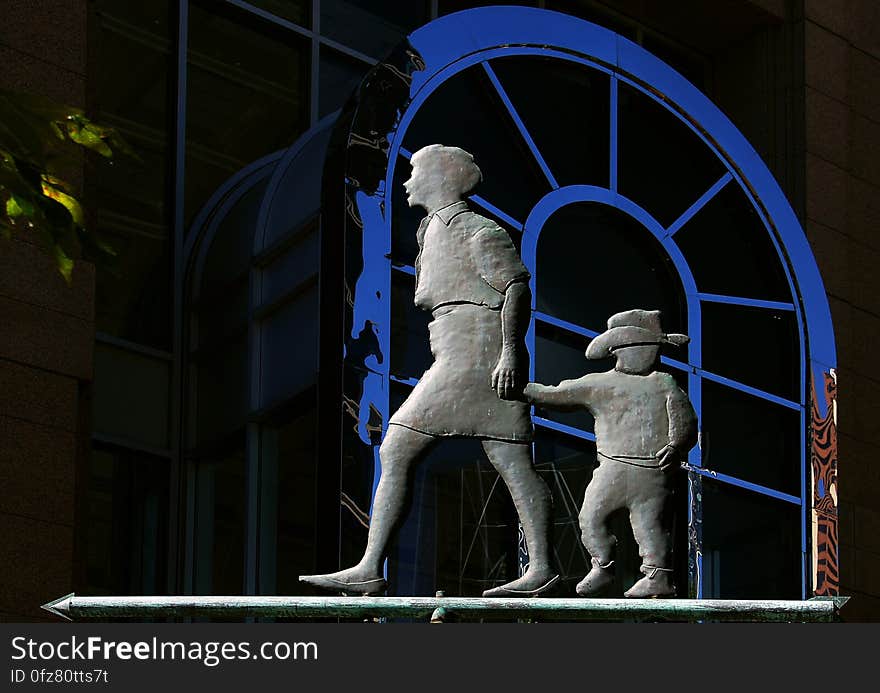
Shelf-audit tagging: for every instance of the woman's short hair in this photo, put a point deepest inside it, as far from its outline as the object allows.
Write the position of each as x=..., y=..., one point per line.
x=457, y=165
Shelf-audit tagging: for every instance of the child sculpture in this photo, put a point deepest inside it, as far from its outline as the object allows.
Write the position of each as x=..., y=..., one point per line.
x=644, y=425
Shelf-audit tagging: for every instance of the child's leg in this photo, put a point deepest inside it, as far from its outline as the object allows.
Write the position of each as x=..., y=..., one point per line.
x=649, y=515
x=605, y=493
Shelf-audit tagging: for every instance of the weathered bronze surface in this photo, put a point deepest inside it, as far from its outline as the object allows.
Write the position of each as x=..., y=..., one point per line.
x=82, y=608
x=471, y=279
x=645, y=425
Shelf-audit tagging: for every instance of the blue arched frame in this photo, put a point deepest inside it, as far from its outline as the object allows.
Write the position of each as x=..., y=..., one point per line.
x=456, y=42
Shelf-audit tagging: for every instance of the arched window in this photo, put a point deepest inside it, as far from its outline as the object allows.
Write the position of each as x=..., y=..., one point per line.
x=624, y=187
x=251, y=375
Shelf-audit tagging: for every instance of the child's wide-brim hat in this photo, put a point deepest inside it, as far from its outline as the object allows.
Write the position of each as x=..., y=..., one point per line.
x=632, y=328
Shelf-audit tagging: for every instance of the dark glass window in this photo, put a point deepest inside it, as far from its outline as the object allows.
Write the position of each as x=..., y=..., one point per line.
x=297, y=11
x=566, y=465
x=133, y=296
x=750, y=438
x=565, y=107
x=559, y=355
x=289, y=345
x=754, y=346
x=728, y=248
x=751, y=545
x=663, y=165
x=247, y=96
x=127, y=523
x=130, y=399
x=289, y=504
x=371, y=27
x=465, y=111
x=220, y=387
x=594, y=261
x=339, y=76
x=474, y=546
x=220, y=522
x=298, y=261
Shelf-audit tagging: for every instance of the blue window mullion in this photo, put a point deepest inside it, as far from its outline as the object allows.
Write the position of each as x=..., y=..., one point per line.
x=748, y=302
x=699, y=204
x=541, y=422
x=743, y=484
x=748, y=389
x=565, y=325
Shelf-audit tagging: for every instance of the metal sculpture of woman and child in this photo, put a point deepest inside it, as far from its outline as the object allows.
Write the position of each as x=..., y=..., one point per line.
x=471, y=279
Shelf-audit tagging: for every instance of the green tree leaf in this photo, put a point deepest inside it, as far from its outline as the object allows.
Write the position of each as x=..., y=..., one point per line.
x=36, y=134
x=17, y=206
x=85, y=134
x=53, y=188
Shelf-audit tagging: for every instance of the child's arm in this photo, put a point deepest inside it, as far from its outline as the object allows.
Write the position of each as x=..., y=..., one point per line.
x=682, y=427
x=568, y=395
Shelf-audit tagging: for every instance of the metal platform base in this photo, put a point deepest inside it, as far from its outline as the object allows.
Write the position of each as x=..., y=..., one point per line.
x=441, y=609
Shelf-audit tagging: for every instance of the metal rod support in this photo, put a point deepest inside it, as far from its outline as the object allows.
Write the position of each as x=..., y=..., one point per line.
x=73, y=607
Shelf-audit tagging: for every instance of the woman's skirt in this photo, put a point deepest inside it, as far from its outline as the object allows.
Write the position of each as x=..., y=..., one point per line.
x=454, y=397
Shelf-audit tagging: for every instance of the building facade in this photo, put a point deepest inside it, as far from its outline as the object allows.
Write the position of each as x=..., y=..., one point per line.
x=204, y=418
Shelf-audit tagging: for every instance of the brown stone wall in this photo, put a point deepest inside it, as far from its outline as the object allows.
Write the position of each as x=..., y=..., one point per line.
x=46, y=342
x=842, y=116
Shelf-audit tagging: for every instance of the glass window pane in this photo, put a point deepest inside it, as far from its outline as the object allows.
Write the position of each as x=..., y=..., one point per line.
x=594, y=261
x=130, y=397
x=467, y=520
x=296, y=11
x=220, y=401
x=289, y=504
x=340, y=76
x=371, y=27
x=566, y=109
x=663, y=165
x=729, y=249
x=133, y=300
x=751, y=545
x=297, y=199
x=220, y=523
x=559, y=355
x=247, y=96
x=221, y=315
x=410, y=348
x=296, y=264
x=229, y=256
x=466, y=112
x=289, y=342
x=566, y=465
x=754, y=346
x=751, y=438
x=126, y=529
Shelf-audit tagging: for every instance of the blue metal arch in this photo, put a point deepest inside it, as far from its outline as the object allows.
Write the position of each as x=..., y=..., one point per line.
x=561, y=197
x=458, y=41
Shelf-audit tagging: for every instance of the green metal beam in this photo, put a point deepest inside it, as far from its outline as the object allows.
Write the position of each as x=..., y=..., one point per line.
x=447, y=608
